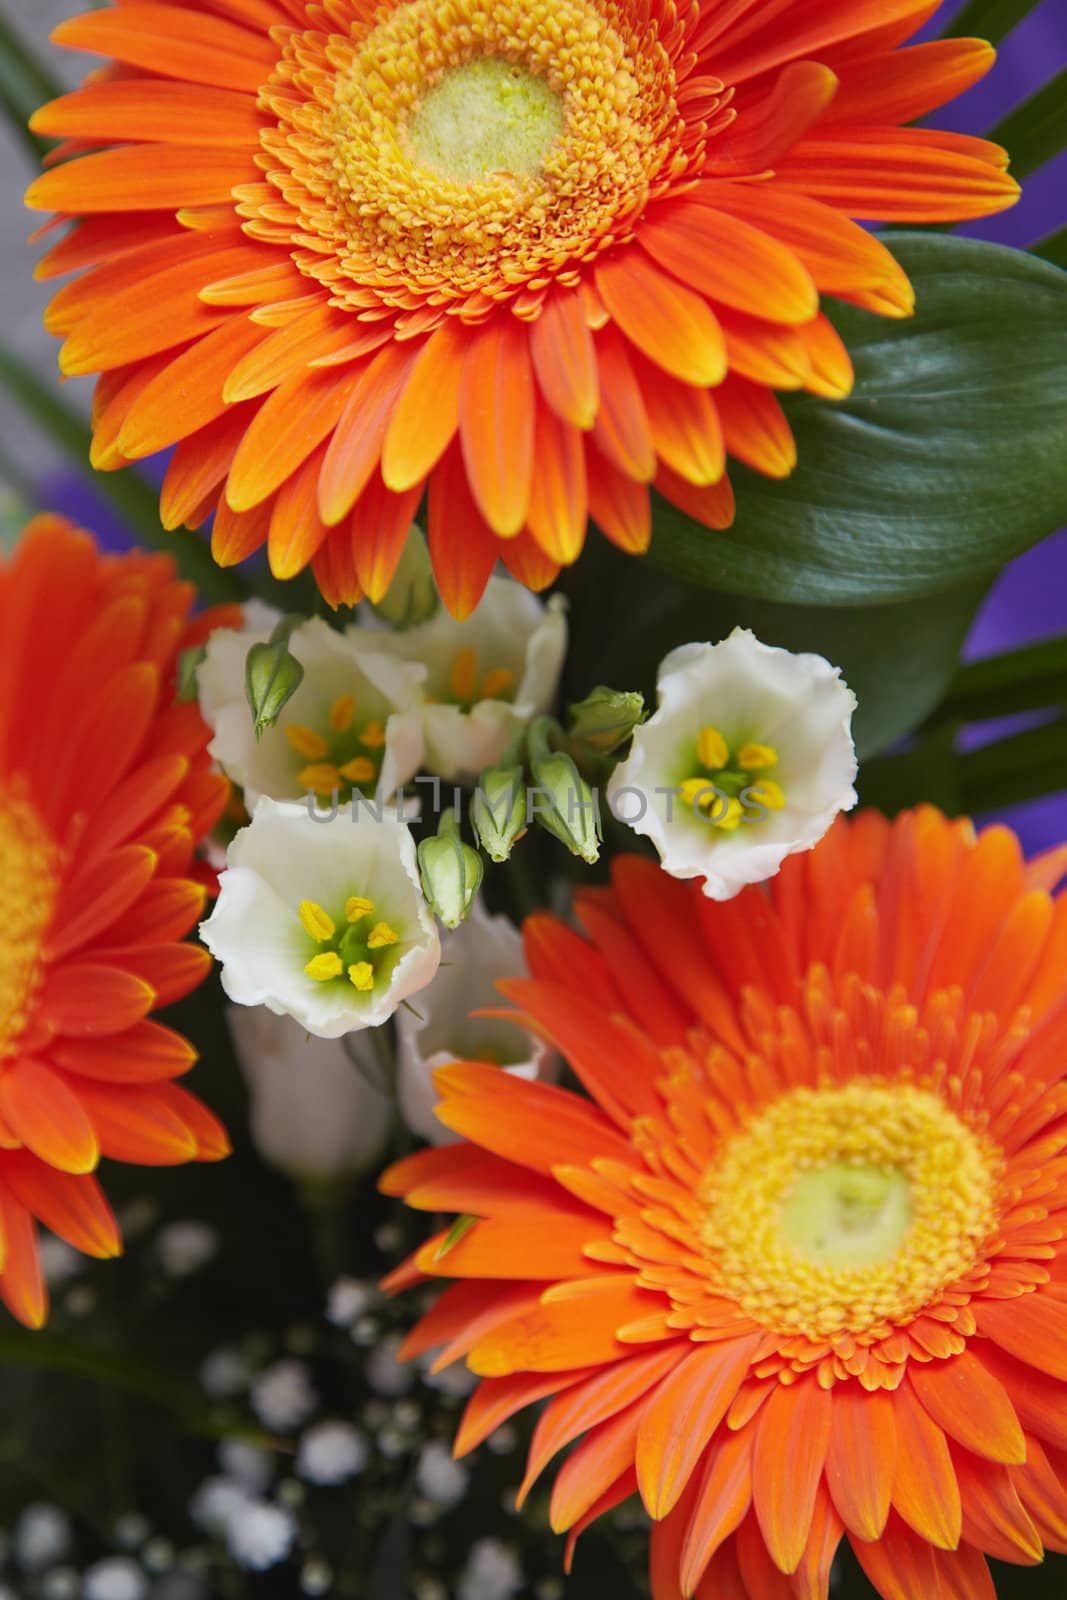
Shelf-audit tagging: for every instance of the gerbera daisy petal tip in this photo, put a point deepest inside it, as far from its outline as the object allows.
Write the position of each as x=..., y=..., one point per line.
x=794, y=1270
x=623, y=253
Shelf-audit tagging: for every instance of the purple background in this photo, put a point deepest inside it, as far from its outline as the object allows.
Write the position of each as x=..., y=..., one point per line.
x=1027, y=602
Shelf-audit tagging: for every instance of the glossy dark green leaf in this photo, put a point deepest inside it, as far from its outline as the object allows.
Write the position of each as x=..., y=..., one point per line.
x=134, y=500
x=1036, y=130
x=946, y=461
x=989, y=19
x=1031, y=679
x=1053, y=247
x=1023, y=766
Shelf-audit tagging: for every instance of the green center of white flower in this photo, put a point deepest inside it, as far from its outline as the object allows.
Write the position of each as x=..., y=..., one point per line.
x=358, y=948
x=487, y=115
x=729, y=788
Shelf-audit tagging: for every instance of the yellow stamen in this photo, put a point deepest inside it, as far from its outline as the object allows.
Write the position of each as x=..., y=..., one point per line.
x=306, y=742
x=326, y=965
x=341, y=713
x=463, y=679
x=699, y=793
x=321, y=778
x=317, y=922
x=712, y=750
x=497, y=683
x=30, y=879
x=768, y=793
x=754, y=757
x=380, y=935
x=358, y=906
x=844, y=1208
x=362, y=975
x=730, y=818
x=373, y=735
x=360, y=769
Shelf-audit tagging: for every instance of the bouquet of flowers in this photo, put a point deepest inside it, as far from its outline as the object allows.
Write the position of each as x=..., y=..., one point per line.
x=519, y=742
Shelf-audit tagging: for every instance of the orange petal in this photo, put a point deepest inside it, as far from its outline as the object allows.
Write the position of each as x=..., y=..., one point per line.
x=99, y=895
x=381, y=522
x=463, y=547
x=534, y=1124
x=516, y=1247
x=898, y=86
x=133, y=1123
x=38, y=1105
x=273, y=447
x=558, y=496
x=861, y=1459
x=768, y=127
x=497, y=1399
x=22, y=1285
x=755, y=427
x=1032, y=1327
x=684, y=1412
x=714, y=505
x=668, y=323
x=496, y=421
x=72, y=1206
x=730, y=260
x=559, y=1336
x=831, y=373
x=598, y=1462
x=994, y=1517
x=925, y=1489
x=793, y=1433
x=526, y=561
x=685, y=426
x=199, y=467
x=272, y=358
x=355, y=449
x=143, y=109
x=564, y=359
x=296, y=529
x=896, y=176
x=142, y=178
x=159, y=37
x=426, y=414
x=723, y=1499
x=172, y=970
x=900, y=1564
x=87, y=998
x=142, y=1054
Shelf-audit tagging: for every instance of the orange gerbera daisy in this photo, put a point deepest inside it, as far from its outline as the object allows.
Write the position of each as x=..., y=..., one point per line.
x=105, y=789
x=799, y=1270
x=351, y=251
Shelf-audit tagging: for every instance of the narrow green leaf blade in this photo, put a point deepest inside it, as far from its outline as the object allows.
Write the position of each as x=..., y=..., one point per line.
x=135, y=501
x=989, y=19
x=946, y=461
x=1052, y=248
x=1037, y=129
x=1031, y=679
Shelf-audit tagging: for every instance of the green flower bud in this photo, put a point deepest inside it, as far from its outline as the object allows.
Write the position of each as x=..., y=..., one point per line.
x=412, y=596
x=272, y=677
x=498, y=811
x=189, y=661
x=451, y=872
x=606, y=718
x=563, y=802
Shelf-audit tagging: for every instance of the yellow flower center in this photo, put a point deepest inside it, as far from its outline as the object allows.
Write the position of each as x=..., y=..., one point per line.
x=29, y=886
x=487, y=116
x=726, y=789
x=847, y=1208
x=348, y=947
x=479, y=146
x=347, y=756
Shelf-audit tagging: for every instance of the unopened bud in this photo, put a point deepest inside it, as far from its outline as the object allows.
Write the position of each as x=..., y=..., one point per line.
x=272, y=677
x=498, y=811
x=606, y=718
x=563, y=802
x=412, y=596
x=451, y=872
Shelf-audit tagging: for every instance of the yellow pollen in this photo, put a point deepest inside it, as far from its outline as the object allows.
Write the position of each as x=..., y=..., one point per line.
x=326, y=965
x=30, y=864
x=479, y=147
x=721, y=810
x=729, y=818
x=341, y=713
x=497, y=683
x=362, y=975
x=847, y=1208
x=306, y=742
x=373, y=735
x=360, y=769
x=318, y=923
x=463, y=679
x=380, y=936
x=357, y=907
x=712, y=750
x=754, y=757
x=321, y=778
x=767, y=793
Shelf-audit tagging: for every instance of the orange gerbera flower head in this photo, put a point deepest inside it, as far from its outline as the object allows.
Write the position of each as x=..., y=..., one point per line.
x=797, y=1271
x=349, y=252
x=105, y=790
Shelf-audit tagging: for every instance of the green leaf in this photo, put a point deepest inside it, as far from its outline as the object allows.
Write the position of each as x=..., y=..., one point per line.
x=456, y=1232
x=1031, y=679
x=24, y=85
x=946, y=461
x=898, y=658
x=134, y=499
x=1037, y=129
x=989, y=19
x=1052, y=248
x=1023, y=766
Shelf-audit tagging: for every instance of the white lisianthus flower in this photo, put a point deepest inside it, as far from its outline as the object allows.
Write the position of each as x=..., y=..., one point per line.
x=322, y=920
x=485, y=677
x=441, y=1029
x=312, y=1112
x=352, y=725
x=748, y=759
